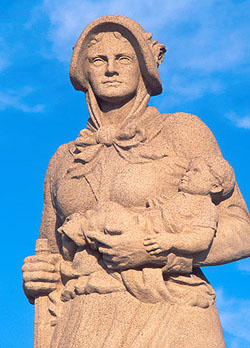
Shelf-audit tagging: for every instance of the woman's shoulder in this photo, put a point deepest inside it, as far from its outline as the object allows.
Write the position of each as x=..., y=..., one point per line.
x=63, y=150
x=62, y=154
x=189, y=134
x=182, y=119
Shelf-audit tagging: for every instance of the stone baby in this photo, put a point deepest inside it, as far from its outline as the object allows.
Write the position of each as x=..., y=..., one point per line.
x=82, y=230
x=190, y=217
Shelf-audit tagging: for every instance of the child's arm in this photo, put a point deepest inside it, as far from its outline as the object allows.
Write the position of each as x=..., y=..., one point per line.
x=187, y=242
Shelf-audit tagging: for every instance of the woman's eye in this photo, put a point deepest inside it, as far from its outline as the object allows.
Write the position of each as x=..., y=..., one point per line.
x=124, y=60
x=97, y=61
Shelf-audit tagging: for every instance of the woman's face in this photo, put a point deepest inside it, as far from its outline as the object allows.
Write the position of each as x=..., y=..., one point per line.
x=112, y=68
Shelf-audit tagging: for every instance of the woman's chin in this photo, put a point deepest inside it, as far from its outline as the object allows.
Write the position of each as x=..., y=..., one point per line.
x=115, y=98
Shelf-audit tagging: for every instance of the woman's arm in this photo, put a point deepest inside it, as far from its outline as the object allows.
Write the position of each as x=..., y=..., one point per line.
x=191, y=137
x=50, y=220
x=232, y=240
x=41, y=272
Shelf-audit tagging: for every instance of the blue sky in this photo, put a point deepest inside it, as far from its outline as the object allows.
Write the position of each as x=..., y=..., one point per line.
x=205, y=72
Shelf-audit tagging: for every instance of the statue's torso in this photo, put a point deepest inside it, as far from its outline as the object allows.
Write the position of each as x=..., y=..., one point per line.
x=132, y=185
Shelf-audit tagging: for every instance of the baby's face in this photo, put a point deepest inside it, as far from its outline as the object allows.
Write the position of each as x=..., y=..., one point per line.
x=197, y=179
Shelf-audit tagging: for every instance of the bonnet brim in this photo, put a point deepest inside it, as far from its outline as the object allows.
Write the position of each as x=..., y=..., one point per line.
x=140, y=40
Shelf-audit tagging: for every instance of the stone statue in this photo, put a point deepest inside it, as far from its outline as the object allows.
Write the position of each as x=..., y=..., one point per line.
x=132, y=208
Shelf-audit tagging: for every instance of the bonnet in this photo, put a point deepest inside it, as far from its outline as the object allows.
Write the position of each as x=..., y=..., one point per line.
x=150, y=53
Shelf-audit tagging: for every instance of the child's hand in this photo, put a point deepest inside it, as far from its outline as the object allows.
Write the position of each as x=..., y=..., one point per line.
x=157, y=244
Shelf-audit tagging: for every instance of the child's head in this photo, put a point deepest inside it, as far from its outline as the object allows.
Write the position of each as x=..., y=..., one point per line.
x=210, y=175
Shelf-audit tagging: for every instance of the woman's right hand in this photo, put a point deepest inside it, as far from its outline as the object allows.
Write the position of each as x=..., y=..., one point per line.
x=41, y=275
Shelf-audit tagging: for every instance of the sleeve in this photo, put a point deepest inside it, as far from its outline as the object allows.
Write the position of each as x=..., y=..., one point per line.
x=50, y=219
x=206, y=214
x=193, y=231
x=191, y=137
x=232, y=239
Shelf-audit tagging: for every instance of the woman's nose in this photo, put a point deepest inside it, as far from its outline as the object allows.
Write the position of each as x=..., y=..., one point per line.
x=111, y=68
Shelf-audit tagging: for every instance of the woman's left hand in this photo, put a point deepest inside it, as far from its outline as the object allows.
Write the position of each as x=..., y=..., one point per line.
x=124, y=251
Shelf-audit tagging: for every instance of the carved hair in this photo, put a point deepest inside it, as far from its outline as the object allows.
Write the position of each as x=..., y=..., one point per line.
x=94, y=39
x=221, y=171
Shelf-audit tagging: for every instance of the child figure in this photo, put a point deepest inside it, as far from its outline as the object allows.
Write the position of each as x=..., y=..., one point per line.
x=190, y=217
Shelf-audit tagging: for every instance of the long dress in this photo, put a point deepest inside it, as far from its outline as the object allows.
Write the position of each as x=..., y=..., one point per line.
x=132, y=167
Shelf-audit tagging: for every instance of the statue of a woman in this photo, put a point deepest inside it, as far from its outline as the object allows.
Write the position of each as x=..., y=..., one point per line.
x=108, y=197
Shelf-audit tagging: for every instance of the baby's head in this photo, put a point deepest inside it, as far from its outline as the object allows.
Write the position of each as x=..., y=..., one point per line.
x=210, y=175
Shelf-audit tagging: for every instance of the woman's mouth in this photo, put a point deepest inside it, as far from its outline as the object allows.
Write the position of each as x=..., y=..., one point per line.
x=111, y=82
